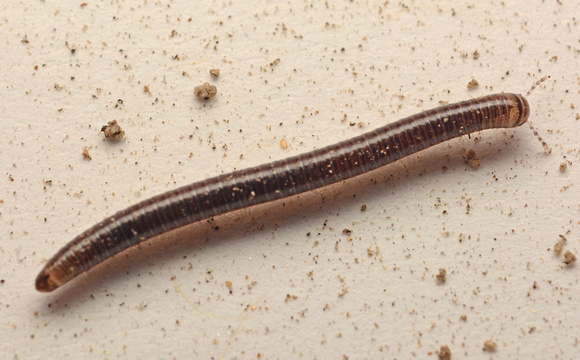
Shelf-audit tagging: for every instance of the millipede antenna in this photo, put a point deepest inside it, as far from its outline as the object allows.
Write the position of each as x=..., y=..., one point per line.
x=547, y=149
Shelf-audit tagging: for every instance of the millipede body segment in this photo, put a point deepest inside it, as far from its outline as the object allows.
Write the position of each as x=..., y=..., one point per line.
x=278, y=179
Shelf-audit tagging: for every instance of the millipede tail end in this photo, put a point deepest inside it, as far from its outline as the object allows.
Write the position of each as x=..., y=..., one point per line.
x=45, y=282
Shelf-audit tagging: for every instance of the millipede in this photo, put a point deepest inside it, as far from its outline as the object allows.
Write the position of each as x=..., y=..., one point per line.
x=283, y=178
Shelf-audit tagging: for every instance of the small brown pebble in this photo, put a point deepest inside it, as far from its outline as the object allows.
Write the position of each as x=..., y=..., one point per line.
x=113, y=131
x=363, y=208
x=283, y=144
x=442, y=276
x=472, y=84
x=444, y=353
x=205, y=91
x=346, y=231
x=471, y=159
x=86, y=154
x=215, y=73
x=489, y=345
x=569, y=258
x=558, y=247
x=563, y=166
x=463, y=317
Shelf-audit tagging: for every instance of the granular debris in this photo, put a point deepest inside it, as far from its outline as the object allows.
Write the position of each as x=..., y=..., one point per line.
x=86, y=154
x=445, y=353
x=442, y=276
x=489, y=345
x=558, y=247
x=471, y=159
x=472, y=84
x=113, y=131
x=205, y=91
x=569, y=258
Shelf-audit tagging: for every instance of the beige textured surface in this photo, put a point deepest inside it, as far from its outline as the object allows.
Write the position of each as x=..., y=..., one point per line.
x=300, y=288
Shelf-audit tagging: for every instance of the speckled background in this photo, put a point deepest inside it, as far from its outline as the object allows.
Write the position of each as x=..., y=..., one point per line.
x=310, y=74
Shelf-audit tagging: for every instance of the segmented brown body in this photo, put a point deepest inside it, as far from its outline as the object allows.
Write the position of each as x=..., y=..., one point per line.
x=279, y=179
